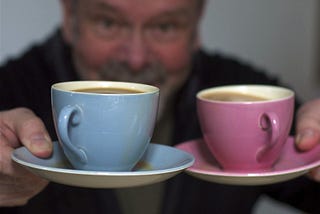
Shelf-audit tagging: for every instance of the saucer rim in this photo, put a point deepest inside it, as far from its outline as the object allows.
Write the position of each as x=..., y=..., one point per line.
x=182, y=165
x=236, y=174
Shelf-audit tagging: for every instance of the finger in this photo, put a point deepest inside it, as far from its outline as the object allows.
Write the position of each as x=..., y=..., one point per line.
x=315, y=174
x=29, y=129
x=308, y=125
x=5, y=159
x=17, y=185
x=8, y=136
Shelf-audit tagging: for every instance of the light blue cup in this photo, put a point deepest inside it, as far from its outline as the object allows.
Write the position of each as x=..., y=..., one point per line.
x=104, y=132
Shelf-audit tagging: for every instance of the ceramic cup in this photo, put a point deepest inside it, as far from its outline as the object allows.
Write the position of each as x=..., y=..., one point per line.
x=103, y=125
x=245, y=126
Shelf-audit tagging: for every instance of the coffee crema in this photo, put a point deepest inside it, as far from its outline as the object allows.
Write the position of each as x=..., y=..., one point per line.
x=109, y=90
x=232, y=97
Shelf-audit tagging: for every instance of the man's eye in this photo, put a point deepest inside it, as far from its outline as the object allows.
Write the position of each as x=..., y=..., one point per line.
x=108, y=23
x=107, y=27
x=165, y=31
x=166, y=27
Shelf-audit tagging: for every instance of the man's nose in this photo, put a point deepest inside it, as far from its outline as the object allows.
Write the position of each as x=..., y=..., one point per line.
x=137, y=52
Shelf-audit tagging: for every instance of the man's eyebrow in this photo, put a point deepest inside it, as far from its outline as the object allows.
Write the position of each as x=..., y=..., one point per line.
x=104, y=7
x=176, y=13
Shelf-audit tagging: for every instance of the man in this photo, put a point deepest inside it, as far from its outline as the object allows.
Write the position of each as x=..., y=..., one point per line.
x=150, y=41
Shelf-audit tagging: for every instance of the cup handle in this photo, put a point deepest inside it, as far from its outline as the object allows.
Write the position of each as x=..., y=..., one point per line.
x=70, y=115
x=270, y=122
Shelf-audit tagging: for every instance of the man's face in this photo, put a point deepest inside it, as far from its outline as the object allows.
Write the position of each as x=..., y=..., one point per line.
x=147, y=41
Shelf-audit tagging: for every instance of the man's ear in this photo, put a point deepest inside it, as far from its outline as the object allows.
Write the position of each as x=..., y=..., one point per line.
x=67, y=20
x=196, y=37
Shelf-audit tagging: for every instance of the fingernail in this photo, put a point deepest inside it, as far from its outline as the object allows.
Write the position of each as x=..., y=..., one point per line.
x=306, y=134
x=41, y=144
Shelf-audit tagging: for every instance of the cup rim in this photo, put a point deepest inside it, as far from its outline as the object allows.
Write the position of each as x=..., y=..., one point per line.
x=287, y=93
x=69, y=86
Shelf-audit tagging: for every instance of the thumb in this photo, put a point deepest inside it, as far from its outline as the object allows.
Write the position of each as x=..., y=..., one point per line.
x=308, y=125
x=22, y=126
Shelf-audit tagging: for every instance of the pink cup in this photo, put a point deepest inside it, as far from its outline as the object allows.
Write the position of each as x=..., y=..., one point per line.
x=246, y=134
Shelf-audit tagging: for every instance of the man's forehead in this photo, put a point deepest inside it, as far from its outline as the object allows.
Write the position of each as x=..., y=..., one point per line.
x=142, y=9
x=144, y=3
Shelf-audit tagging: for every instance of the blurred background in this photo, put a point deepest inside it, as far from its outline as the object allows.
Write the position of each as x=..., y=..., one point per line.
x=279, y=36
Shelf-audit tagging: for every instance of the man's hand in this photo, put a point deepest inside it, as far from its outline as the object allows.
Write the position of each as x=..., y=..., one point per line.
x=308, y=130
x=20, y=127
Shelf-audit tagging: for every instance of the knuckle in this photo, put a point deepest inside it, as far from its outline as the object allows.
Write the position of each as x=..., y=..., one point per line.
x=5, y=166
x=22, y=110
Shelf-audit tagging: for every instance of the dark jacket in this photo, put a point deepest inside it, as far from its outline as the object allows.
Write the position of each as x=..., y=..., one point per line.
x=26, y=82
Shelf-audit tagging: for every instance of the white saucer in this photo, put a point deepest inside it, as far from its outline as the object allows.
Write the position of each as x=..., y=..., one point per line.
x=158, y=164
x=291, y=164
